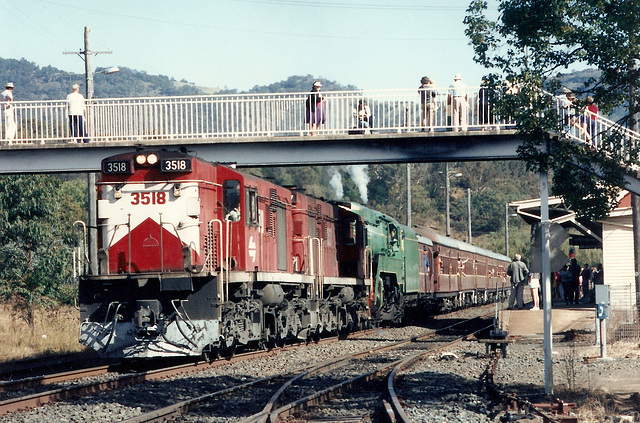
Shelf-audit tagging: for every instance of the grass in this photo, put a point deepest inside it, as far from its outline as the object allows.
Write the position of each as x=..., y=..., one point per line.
x=56, y=332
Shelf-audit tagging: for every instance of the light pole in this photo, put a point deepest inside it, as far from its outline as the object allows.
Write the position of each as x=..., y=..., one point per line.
x=507, y=215
x=92, y=233
x=448, y=174
x=469, y=215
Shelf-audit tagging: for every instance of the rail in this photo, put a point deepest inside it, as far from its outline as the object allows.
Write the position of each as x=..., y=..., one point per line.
x=243, y=115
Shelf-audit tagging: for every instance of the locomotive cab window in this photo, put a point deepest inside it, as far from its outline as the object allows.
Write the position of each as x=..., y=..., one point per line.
x=251, y=200
x=393, y=234
x=351, y=233
x=231, y=200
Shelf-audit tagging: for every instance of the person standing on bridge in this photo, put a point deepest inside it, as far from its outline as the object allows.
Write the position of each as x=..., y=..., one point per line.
x=519, y=274
x=6, y=101
x=76, y=108
x=428, y=103
x=315, y=115
x=458, y=98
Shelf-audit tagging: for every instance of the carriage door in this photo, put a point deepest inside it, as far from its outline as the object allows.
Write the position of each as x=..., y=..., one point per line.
x=281, y=237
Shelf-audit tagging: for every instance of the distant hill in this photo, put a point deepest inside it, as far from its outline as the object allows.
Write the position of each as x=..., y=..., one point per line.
x=34, y=82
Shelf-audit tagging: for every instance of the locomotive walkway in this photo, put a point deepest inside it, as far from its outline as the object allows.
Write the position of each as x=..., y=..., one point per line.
x=266, y=130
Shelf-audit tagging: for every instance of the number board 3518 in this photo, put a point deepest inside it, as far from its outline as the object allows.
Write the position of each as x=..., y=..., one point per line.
x=175, y=165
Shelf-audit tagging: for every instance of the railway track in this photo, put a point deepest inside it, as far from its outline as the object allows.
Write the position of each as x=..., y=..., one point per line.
x=274, y=397
x=180, y=395
x=42, y=366
x=110, y=378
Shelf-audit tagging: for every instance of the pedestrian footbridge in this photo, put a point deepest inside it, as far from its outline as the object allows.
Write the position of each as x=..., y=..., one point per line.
x=270, y=129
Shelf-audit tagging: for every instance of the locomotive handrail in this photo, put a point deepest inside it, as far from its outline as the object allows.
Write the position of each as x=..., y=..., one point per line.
x=80, y=253
x=221, y=275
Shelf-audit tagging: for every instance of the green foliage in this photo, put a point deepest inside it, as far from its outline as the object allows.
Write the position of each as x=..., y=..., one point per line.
x=34, y=260
x=528, y=44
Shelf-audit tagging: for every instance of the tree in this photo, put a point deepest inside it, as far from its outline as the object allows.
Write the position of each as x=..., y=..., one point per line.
x=34, y=260
x=528, y=44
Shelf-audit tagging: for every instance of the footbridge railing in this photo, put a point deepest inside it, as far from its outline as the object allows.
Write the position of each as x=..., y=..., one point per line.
x=247, y=115
x=237, y=116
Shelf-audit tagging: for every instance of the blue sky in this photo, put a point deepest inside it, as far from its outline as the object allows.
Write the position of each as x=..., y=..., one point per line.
x=373, y=44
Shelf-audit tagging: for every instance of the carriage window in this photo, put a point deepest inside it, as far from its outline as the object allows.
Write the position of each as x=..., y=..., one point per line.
x=251, y=200
x=231, y=200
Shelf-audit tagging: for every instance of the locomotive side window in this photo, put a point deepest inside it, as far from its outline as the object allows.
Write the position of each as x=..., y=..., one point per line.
x=251, y=200
x=351, y=233
x=231, y=200
x=393, y=234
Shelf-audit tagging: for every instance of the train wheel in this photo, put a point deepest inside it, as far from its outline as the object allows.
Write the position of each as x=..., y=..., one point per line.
x=343, y=327
x=270, y=338
x=228, y=349
x=211, y=353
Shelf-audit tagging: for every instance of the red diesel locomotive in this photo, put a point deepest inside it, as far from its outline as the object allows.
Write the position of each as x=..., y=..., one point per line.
x=198, y=258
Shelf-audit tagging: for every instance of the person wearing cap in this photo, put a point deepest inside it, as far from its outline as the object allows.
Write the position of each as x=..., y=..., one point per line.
x=519, y=274
x=458, y=99
x=6, y=104
x=315, y=115
x=427, y=102
x=76, y=108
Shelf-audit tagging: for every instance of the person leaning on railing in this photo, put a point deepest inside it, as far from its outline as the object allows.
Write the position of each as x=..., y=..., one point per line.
x=76, y=108
x=315, y=115
x=427, y=102
x=6, y=101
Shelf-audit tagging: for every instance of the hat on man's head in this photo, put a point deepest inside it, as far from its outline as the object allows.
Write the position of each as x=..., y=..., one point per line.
x=317, y=84
x=458, y=77
x=9, y=85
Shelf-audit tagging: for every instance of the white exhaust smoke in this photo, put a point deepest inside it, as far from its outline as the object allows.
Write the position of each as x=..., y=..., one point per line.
x=361, y=178
x=336, y=183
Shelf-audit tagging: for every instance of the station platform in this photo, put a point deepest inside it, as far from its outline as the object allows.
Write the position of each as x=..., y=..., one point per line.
x=530, y=323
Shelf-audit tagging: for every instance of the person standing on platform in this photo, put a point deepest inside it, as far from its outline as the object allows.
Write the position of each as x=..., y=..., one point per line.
x=518, y=273
x=459, y=105
x=534, y=285
x=315, y=114
x=586, y=283
x=574, y=288
x=76, y=107
x=6, y=101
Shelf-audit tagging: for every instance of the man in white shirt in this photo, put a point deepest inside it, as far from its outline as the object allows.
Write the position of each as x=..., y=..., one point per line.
x=459, y=105
x=6, y=104
x=76, y=107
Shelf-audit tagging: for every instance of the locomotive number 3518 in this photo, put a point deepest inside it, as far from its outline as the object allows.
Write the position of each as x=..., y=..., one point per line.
x=146, y=198
x=176, y=165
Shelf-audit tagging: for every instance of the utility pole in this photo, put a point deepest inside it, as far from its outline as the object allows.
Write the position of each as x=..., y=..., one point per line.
x=469, y=215
x=92, y=231
x=409, y=194
x=545, y=276
x=506, y=229
x=635, y=198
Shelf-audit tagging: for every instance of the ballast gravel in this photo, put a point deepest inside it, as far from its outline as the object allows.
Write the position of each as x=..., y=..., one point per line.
x=439, y=389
